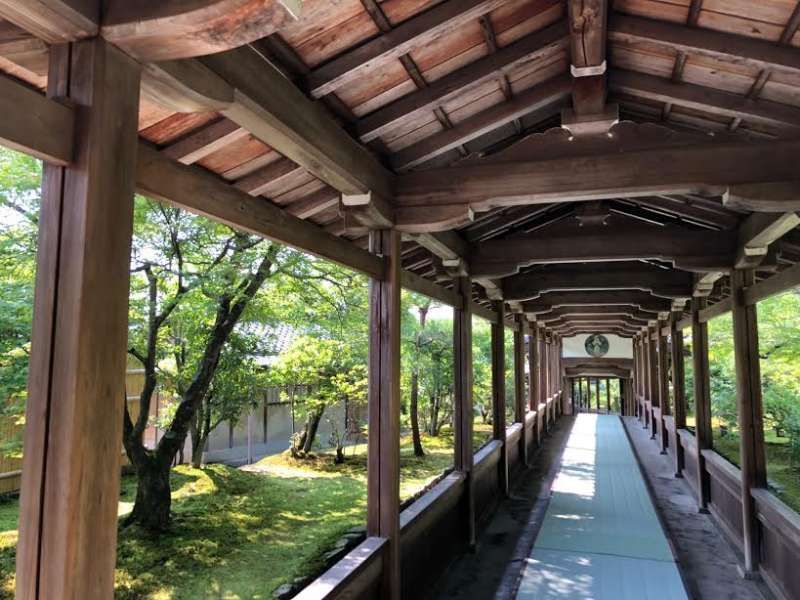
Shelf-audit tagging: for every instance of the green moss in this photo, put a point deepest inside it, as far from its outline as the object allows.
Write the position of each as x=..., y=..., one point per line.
x=242, y=534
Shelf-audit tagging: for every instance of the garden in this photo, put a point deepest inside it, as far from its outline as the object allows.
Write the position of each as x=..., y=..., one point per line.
x=217, y=317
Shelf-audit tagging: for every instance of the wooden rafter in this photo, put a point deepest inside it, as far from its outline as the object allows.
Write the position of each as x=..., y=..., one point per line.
x=528, y=49
x=416, y=31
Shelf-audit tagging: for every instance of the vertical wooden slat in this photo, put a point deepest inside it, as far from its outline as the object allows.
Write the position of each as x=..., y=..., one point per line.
x=73, y=438
x=499, y=392
x=702, y=399
x=383, y=458
x=464, y=413
x=751, y=425
x=678, y=390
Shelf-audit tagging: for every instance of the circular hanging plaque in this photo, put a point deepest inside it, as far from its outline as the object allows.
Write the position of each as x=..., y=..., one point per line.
x=596, y=345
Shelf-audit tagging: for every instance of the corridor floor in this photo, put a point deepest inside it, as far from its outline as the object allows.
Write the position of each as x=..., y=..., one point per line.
x=601, y=537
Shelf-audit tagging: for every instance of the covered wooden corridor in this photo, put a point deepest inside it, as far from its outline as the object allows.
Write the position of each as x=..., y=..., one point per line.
x=562, y=168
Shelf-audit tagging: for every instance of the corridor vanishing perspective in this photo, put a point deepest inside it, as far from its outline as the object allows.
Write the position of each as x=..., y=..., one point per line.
x=612, y=185
x=601, y=537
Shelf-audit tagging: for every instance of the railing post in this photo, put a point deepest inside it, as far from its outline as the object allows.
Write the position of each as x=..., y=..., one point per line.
x=464, y=413
x=702, y=400
x=751, y=425
x=73, y=431
x=383, y=458
x=679, y=391
x=499, y=392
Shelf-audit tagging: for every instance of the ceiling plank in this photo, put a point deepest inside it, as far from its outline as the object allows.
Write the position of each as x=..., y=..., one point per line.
x=35, y=124
x=204, y=142
x=728, y=47
x=713, y=101
x=415, y=32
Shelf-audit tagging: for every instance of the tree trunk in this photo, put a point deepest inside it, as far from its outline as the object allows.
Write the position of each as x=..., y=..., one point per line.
x=153, y=500
x=418, y=451
x=312, y=424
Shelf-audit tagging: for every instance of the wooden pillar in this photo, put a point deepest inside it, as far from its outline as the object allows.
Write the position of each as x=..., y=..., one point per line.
x=519, y=384
x=751, y=425
x=383, y=459
x=608, y=395
x=545, y=354
x=533, y=385
x=73, y=432
x=499, y=392
x=702, y=400
x=678, y=390
x=663, y=383
x=463, y=410
x=652, y=379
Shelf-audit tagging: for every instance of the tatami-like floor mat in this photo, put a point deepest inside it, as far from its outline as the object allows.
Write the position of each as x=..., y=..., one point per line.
x=601, y=537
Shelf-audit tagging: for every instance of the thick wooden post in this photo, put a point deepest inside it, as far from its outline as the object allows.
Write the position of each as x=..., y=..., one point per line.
x=383, y=459
x=751, y=425
x=519, y=385
x=533, y=366
x=663, y=384
x=499, y=392
x=73, y=432
x=608, y=395
x=652, y=380
x=545, y=358
x=464, y=413
x=678, y=390
x=702, y=400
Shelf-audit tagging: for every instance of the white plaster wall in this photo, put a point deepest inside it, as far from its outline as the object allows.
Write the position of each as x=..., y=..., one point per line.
x=618, y=347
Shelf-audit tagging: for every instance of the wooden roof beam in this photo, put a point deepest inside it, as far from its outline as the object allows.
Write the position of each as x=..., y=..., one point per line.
x=252, y=93
x=593, y=310
x=204, y=142
x=503, y=257
x=775, y=197
x=415, y=32
x=716, y=102
x=432, y=198
x=728, y=47
x=550, y=301
x=201, y=192
x=528, y=49
x=667, y=283
x=756, y=234
x=153, y=31
x=544, y=98
x=54, y=21
x=34, y=124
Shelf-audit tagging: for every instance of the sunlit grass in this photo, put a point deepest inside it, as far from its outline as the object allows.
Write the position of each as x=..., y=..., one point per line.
x=239, y=534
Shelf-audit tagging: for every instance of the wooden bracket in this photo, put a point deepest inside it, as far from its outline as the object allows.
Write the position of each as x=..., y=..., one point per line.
x=371, y=210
